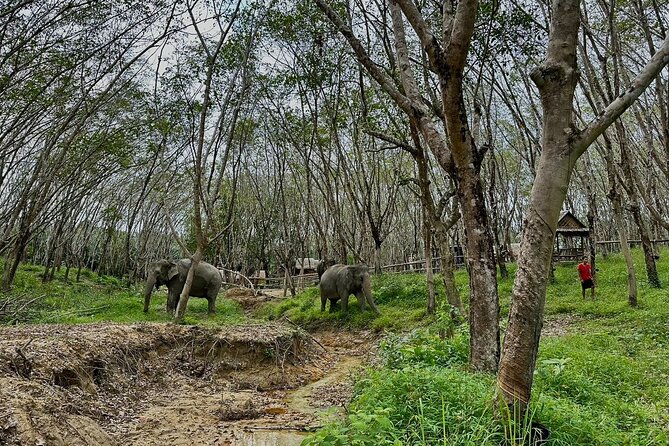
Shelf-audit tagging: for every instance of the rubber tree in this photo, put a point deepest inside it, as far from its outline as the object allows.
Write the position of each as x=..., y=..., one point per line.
x=562, y=144
x=457, y=153
x=433, y=218
x=207, y=185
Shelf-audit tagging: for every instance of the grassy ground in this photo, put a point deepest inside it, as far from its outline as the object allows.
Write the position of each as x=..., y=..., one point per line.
x=602, y=378
x=603, y=381
x=102, y=298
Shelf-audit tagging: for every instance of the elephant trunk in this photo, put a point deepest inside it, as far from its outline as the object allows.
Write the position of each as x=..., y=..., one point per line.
x=148, y=289
x=367, y=290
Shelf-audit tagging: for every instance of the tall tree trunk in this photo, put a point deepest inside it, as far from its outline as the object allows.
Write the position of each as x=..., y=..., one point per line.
x=461, y=158
x=483, y=301
x=556, y=79
x=441, y=228
x=447, y=270
x=100, y=267
x=377, y=257
x=617, y=211
x=429, y=273
x=288, y=283
x=14, y=258
x=635, y=209
x=499, y=256
x=619, y=221
x=185, y=293
x=53, y=259
x=592, y=219
x=562, y=145
x=529, y=289
x=647, y=246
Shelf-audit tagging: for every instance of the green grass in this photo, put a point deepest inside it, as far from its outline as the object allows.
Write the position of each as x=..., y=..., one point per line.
x=605, y=382
x=103, y=299
x=400, y=298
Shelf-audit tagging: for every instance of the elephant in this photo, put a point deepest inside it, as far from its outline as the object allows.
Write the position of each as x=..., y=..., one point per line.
x=323, y=265
x=340, y=281
x=206, y=282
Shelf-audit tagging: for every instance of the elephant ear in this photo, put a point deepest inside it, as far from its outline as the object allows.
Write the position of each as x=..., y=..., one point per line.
x=173, y=271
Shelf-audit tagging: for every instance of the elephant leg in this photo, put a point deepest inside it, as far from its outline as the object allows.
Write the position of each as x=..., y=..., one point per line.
x=372, y=305
x=212, y=305
x=361, y=300
x=172, y=300
x=344, y=304
x=211, y=298
x=323, y=302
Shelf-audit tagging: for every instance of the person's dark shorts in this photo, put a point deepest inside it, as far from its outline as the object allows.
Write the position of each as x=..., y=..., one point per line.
x=587, y=284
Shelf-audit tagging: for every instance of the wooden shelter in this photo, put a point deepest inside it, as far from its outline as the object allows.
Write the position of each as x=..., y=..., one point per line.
x=570, y=239
x=306, y=265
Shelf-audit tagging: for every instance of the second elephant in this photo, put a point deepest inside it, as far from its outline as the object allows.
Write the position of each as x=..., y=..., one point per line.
x=340, y=281
x=207, y=282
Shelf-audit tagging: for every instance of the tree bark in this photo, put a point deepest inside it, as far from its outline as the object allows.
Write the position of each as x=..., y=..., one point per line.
x=499, y=257
x=429, y=273
x=617, y=211
x=447, y=270
x=635, y=208
x=463, y=161
x=562, y=144
x=441, y=228
x=592, y=219
x=185, y=293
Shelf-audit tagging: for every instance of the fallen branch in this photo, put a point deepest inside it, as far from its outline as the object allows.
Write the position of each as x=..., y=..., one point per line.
x=308, y=334
x=26, y=369
x=238, y=274
x=9, y=310
x=278, y=428
x=16, y=312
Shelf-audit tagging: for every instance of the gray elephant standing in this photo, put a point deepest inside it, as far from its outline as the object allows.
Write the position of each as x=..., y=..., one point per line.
x=340, y=281
x=206, y=282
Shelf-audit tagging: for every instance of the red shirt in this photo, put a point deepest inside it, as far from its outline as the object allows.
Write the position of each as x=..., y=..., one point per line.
x=585, y=271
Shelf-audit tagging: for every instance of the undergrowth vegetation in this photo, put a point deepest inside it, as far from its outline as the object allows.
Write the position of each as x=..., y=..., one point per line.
x=602, y=374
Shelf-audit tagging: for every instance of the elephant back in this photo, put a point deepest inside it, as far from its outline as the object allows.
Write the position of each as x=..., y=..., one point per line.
x=184, y=264
x=203, y=268
x=344, y=278
x=332, y=277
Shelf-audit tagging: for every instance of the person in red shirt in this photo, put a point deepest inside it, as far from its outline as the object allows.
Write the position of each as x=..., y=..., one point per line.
x=585, y=274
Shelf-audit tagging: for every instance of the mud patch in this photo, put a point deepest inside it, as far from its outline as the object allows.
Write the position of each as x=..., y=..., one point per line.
x=247, y=299
x=270, y=437
x=162, y=384
x=103, y=383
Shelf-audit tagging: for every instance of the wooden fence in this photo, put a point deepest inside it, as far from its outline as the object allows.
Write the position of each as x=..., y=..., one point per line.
x=609, y=246
x=302, y=281
x=234, y=278
x=419, y=266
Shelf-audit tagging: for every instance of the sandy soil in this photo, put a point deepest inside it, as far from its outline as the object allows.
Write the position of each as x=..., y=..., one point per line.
x=163, y=384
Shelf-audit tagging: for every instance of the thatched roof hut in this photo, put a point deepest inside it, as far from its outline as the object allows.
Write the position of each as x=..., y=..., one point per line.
x=570, y=238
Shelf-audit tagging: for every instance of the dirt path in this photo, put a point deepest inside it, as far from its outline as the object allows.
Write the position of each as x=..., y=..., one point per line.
x=160, y=384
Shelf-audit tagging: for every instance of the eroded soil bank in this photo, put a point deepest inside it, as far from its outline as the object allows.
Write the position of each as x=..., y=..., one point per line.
x=162, y=384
